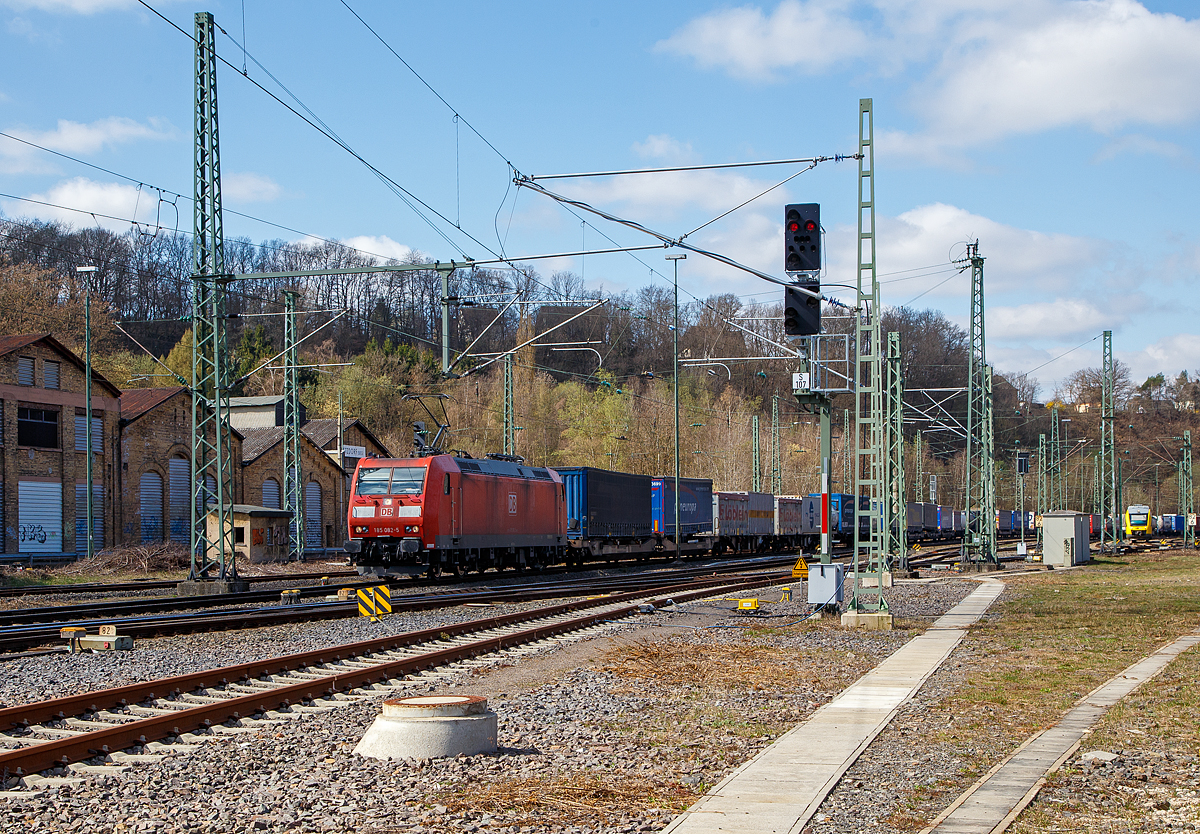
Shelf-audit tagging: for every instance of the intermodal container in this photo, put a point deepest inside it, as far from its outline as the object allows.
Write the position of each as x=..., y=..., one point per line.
x=695, y=505
x=744, y=513
x=789, y=515
x=604, y=504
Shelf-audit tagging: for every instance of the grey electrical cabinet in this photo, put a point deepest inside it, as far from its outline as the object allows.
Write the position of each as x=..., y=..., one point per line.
x=1066, y=539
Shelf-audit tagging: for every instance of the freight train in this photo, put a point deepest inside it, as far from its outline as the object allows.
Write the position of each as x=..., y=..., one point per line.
x=456, y=514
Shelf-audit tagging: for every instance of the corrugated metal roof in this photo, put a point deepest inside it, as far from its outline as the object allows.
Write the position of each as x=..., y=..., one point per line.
x=257, y=442
x=137, y=401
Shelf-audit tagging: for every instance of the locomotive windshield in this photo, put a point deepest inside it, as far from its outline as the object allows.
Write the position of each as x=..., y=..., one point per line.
x=388, y=480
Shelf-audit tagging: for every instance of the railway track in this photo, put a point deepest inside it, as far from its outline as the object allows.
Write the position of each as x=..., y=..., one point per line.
x=28, y=629
x=101, y=725
x=151, y=584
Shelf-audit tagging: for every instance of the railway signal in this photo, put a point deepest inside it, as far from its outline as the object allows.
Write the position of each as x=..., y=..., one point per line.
x=801, y=311
x=802, y=237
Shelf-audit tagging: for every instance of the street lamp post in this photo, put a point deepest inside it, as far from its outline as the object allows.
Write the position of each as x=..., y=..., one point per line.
x=86, y=272
x=675, y=355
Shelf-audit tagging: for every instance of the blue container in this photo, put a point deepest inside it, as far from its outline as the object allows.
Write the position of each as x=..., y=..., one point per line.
x=695, y=505
x=606, y=505
x=841, y=513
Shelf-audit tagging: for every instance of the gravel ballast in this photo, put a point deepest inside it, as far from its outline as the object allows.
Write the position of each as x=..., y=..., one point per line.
x=612, y=734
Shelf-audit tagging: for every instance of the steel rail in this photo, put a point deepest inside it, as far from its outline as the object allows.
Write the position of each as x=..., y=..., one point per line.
x=61, y=752
x=149, y=584
x=16, y=637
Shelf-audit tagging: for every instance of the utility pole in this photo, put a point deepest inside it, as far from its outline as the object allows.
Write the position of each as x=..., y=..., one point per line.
x=676, y=258
x=979, y=540
x=1108, y=446
x=86, y=272
x=292, y=478
x=342, y=464
x=212, y=447
x=869, y=558
x=756, y=477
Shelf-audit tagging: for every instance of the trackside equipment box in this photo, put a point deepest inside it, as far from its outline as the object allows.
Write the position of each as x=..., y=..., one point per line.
x=1065, y=537
x=824, y=584
x=604, y=504
x=695, y=505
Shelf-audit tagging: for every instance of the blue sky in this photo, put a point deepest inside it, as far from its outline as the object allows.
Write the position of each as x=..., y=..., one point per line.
x=1059, y=133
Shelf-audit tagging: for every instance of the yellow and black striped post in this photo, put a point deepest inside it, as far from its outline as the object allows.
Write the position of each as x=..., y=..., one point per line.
x=374, y=602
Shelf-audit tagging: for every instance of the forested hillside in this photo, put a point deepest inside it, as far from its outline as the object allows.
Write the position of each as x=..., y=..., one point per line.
x=608, y=404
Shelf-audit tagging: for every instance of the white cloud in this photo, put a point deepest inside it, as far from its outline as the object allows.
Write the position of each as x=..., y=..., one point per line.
x=1138, y=144
x=79, y=202
x=75, y=139
x=642, y=196
x=1103, y=64
x=249, y=188
x=381, y=246
x=1020, y=261
x=77, y=6
x=1168, y=355
x=750, y=44
x=664, y=147
x=999, y=69
x=1052, y=320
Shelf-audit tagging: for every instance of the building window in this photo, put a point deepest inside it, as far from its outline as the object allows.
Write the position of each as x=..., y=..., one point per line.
x=25, y=370
x=37, y=427
x=51, y=370
x=81, y=433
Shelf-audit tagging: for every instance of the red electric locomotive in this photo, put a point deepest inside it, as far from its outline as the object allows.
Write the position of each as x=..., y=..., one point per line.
x=441, y=513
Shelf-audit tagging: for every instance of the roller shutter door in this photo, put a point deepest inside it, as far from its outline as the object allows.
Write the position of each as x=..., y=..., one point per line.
x=270, y=494
x=81, y=518
x=312, y=514
x=180, y=474
x=39, y=517
x=151, y=494
x=210, y=496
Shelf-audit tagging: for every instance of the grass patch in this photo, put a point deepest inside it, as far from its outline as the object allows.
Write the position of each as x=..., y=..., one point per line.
x=1046, y=643
x=1061, y=634
x=571, y=799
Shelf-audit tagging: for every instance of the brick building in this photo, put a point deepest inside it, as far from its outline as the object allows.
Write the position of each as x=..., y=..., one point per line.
x=323, y=483
x=141, y=443
x=43, y=438
x=156, y=465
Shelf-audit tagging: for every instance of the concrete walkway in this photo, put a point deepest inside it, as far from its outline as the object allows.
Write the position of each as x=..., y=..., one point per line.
x=781, y=788
x=993, y=802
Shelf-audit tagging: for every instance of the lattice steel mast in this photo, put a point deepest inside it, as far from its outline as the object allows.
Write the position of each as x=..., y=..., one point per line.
x=776, y=464
x=1108, y=445
x=1054, y=470
x=293, y=478
x=868, y=395
x=979, y=539
x=510, y=433
x=212, y=448
x=756, y=477
x=1041, y=487
x=895, y=507
x=1187, y=502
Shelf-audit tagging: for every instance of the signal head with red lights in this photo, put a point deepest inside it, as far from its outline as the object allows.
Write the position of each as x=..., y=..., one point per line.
x=802, y=237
